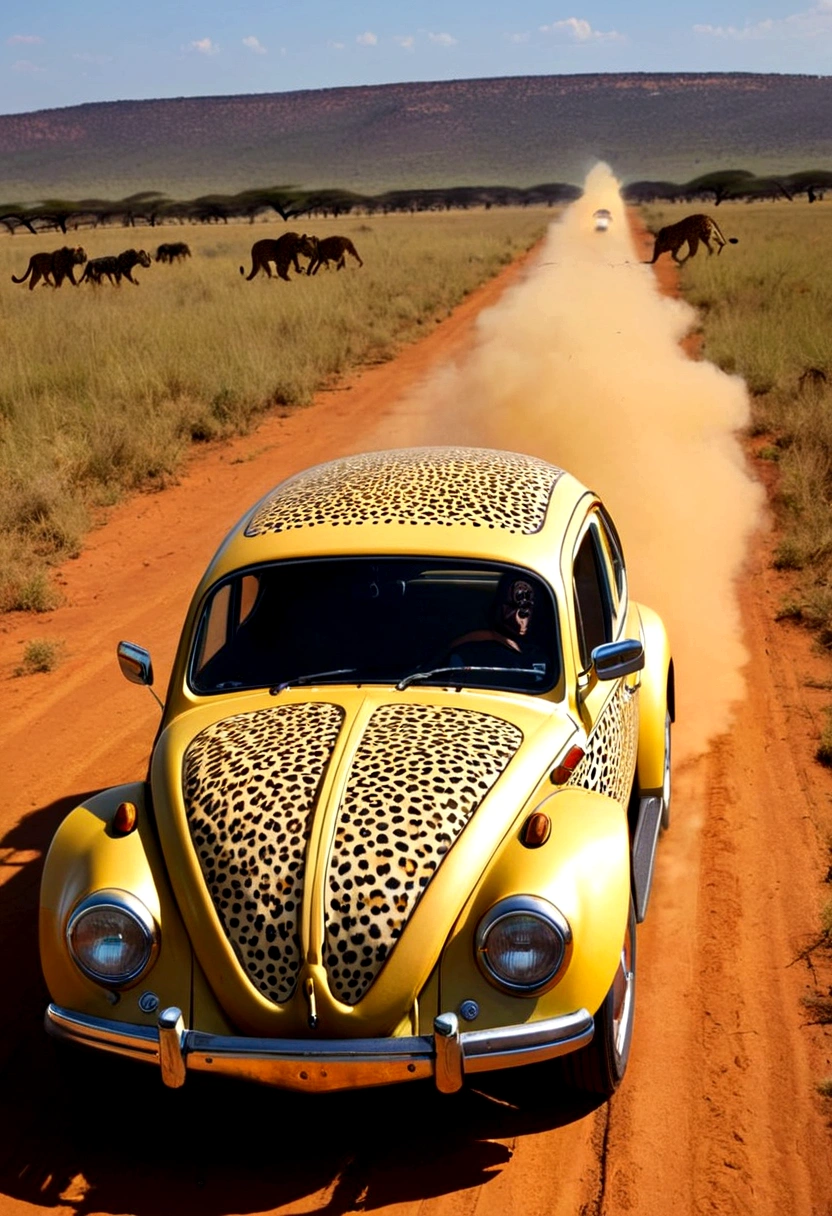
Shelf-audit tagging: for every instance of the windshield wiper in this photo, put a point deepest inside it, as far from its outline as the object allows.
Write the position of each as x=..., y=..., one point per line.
x=438, y=671
x=311, y=678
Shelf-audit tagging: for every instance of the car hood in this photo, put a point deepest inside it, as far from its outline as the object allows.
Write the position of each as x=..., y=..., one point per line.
x=322, y=849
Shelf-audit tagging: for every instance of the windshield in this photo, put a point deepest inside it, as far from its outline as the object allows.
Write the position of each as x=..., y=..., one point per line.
x=378, y=620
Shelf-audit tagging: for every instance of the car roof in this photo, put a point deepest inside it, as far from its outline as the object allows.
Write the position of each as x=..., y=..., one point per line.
x=442, y=501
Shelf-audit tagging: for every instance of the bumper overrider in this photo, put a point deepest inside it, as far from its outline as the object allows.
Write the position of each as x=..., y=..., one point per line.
x=448, y=1055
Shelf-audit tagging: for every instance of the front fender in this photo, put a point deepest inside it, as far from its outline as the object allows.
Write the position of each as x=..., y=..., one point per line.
x=584, y=870
x=656, y=698
x=86, y=855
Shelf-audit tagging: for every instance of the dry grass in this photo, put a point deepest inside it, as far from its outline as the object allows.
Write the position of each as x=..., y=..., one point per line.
x=766, y=308
x=40, y=656
x=102, y=390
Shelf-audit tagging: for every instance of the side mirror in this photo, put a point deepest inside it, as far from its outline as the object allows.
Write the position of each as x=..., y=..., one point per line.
x=616, y=659
x=135, y=663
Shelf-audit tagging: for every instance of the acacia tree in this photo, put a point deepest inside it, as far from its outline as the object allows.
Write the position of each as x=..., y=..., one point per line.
x=722, y=185
x=812, y=182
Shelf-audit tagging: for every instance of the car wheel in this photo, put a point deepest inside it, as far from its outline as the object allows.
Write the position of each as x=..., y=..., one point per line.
x=599, y=1067
x=666, y=777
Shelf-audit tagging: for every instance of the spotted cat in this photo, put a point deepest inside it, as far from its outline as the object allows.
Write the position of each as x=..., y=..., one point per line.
x=693, y=229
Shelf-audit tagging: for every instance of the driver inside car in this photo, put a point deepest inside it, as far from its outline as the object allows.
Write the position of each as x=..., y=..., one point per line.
x=507, y=642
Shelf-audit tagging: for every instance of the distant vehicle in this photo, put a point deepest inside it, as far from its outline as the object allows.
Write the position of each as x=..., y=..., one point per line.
x=602, y=219
x=404, y=800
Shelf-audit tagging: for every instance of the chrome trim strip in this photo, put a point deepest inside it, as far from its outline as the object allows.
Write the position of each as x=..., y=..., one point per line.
x=327, y=1064
x=528, y=1043
x=122, y=1038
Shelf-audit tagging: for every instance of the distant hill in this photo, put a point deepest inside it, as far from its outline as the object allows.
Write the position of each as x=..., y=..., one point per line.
x=510, y=131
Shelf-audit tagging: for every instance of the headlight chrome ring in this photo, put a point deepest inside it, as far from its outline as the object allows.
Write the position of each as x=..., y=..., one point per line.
x=112, y=938
x=523, y=945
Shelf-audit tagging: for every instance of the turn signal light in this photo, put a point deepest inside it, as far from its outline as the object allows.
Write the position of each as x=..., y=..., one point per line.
x=536, y=830
x=561, y=774
x=125, y=818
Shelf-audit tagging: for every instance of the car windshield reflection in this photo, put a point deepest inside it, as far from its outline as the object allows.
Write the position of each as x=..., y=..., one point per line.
x=378, y=620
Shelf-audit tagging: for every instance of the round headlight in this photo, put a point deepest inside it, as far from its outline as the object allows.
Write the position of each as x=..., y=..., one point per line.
x=523, y=945
x=112, y=938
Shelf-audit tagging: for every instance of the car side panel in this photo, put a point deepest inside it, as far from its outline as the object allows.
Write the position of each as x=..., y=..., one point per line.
x=656, y=682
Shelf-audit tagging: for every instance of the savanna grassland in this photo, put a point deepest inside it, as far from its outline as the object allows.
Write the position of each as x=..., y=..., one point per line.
x=766, y=314
x=103, y=389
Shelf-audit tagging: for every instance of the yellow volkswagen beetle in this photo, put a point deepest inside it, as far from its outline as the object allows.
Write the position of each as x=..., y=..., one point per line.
x=403, y=806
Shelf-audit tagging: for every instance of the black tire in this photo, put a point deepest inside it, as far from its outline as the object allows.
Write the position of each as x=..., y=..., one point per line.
x=666, y=784
x=599, y=1067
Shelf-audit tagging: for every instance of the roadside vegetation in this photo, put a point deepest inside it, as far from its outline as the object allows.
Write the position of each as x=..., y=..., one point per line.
x=766, y=314
x=38, y=656
x=104, y=389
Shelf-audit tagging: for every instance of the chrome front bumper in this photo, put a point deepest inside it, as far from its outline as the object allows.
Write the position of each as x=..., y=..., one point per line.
x=448, y=1055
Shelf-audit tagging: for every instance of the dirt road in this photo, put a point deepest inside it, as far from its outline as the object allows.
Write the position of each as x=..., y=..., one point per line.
x=718, y=1113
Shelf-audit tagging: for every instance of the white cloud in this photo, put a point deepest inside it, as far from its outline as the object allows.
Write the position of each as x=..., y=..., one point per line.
x=367, y=39
x=812, y=22
x=580, y=30
x=336, y=46
x=408, y=41
x=204, y=46
x=443, y=39
x=254, y=44
x=27, y=39
x=26, y=67
x=518, y=38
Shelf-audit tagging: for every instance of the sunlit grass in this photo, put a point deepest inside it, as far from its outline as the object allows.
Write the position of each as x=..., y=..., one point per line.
x=766, y=309
x=103, y=389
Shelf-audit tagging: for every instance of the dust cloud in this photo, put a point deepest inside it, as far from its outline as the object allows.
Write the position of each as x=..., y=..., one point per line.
x=580, y=364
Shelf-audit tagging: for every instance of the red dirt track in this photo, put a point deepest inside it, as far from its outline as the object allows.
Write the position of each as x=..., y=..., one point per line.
x=719, y=1111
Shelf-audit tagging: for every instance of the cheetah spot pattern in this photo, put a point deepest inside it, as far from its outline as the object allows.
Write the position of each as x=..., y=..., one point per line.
x=475, y=487
x=251, y=784
x=610, y=758
x=417, y=777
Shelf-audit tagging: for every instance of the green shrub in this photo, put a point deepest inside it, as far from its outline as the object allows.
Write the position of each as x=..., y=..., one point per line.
x=39, y=656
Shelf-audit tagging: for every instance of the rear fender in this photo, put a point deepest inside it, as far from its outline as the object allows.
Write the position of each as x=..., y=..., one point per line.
x=656, y=697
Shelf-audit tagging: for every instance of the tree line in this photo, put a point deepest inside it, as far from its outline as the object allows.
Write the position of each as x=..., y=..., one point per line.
x=736, y=184
x=150, y=207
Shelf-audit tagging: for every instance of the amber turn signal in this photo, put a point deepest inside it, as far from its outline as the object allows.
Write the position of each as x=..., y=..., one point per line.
x=125, y=818
x=561, y=774
x=536, y=830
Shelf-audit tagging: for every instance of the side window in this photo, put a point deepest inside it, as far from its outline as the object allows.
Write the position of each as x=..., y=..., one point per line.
x=614, y=546
x=229, y=609
x=593, y=601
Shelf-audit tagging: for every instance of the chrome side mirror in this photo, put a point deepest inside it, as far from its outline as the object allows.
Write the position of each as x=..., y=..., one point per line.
x=135, y=663
x=616, y=659
x=136, y=666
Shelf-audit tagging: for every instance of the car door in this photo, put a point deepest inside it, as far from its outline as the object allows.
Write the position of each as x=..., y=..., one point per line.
x=608, y=708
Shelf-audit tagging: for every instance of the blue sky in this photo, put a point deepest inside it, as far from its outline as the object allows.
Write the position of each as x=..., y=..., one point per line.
x=64, y=52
